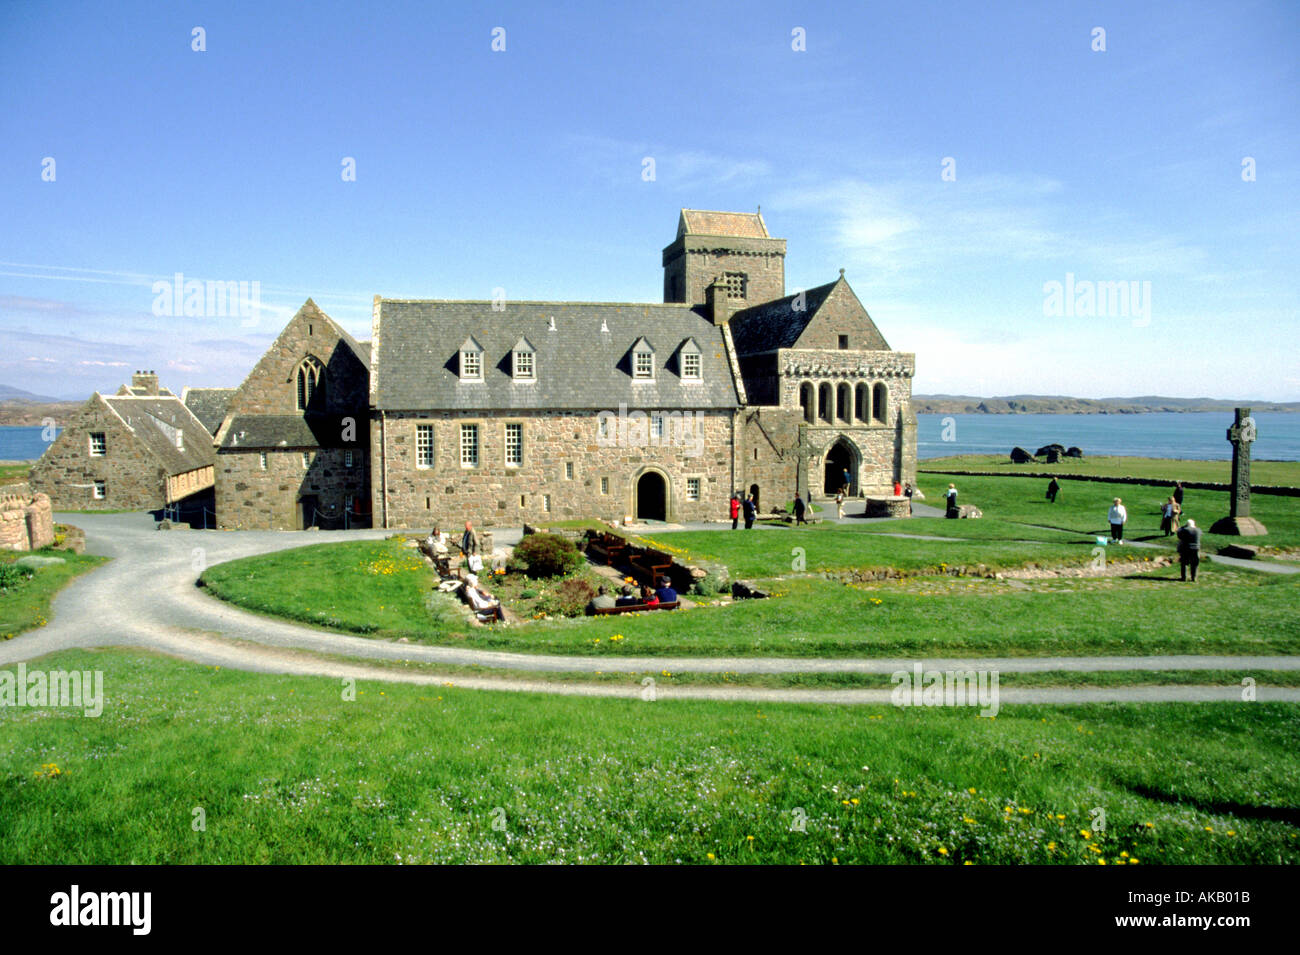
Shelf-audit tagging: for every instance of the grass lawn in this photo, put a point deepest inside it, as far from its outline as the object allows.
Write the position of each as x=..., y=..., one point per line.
x=26, y=605
x=15, y=473
x=285, y=771
x=1261, y=472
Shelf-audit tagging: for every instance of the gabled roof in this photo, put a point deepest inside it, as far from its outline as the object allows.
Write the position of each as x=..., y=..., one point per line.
x=208, y=405
x=156, y=422
x=776, y=324
x=747, y=225
x=779, y=324
x=581, y=364
x=263, y=432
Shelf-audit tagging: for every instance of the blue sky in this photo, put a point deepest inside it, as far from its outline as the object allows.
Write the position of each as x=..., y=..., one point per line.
x=522, y=170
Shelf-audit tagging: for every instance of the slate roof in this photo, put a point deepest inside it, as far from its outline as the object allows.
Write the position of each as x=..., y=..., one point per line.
x=776, y=324
x=269, y=431
x=156, y=422
x=208, y=405
x=748, y=225
x=583, y=363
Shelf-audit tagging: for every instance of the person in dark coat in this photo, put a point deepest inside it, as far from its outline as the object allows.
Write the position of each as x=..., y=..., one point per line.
x=627, y=597
x=750, y=512
x=1053, y=489
x=735, y=511
x=1178, y=493
x=951, y=498
x=665, y=592
x=1189, y=549
x=799, y=510
x=908, y=491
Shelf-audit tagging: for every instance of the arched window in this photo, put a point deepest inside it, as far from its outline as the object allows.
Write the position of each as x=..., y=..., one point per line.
x=843, y=399
x=824, y=402
x=879, y=403
x=806, y=401
x=310, y=383
x=862, y=402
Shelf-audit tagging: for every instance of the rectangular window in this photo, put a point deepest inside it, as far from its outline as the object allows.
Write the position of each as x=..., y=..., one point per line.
x=261, y=460
x=101, y=490
x=656, y=426
x=347, y=459
x=691, y=365
x=424, y=445
x=514, y=445
x=602, y=426
x=469, y=445
x=692, y=489
x=546, y=502
x=604, y=485
x=306, y=460
x=471, y=364
x=524, y=364
x=568, y=470
x=98, y=444
x=644, y=364
x=735, y=282
x=844, y=342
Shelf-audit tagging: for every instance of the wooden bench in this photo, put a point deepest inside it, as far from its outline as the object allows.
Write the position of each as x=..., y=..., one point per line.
x=609, y=548
x=633, y=608
x=651, y=564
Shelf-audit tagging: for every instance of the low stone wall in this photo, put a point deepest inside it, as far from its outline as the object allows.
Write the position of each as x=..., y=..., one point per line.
x=891, y=506
x=1280, y=489
x=26, y=523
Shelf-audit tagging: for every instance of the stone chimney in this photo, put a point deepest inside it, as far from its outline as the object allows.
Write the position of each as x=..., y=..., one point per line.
x=145, y=382
x=717, y=303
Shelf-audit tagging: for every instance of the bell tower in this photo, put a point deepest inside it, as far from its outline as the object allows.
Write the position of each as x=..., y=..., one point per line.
x=734, y=247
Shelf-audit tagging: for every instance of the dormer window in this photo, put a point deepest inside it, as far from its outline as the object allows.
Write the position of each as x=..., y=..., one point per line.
x=524, y=361
x=689, y=360
x=643, y=360
x=309, y=383
x=471, y=360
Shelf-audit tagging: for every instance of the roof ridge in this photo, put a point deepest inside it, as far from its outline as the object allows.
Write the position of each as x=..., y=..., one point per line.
x=488, y=301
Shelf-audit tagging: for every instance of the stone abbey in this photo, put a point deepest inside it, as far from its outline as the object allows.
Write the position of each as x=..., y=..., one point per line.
x=505, y=412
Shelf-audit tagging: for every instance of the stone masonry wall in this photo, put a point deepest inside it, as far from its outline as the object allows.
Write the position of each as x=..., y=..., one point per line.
x=492, y=494
x=26, y=523
x=248, y=497
x=132, y=478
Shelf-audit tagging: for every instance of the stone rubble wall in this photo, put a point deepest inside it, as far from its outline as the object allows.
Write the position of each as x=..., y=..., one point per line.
x=26, y=523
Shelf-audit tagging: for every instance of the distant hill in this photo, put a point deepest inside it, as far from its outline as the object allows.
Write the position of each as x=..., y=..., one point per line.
x=9, y=393
x=1059, y=404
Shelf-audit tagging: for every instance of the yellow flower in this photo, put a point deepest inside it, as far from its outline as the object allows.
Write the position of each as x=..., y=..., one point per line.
x=1085, y=833
x=971, y=790
x=1051, y=847
x=710, y=856
x=943, y=851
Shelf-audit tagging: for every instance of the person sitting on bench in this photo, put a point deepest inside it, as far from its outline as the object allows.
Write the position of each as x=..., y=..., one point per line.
x=626, y=597
x=602, y=601
x=483, y=603
x=648, y=597
x=665, y=593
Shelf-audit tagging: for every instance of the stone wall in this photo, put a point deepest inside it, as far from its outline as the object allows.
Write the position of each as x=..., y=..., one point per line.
x=692, y=262
x=492, y=494
x=248, y=497
x=67, y=472
x=26, y=523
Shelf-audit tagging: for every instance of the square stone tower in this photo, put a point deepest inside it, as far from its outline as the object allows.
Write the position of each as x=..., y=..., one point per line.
x=732, y=246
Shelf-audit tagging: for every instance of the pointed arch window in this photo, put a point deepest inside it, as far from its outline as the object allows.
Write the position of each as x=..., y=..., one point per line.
x=879, y=403
x=310, y=383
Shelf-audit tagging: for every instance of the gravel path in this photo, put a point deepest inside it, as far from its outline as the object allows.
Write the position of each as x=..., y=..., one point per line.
x=146, y=597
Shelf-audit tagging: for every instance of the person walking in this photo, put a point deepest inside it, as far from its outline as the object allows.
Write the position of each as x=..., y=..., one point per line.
x=750, y=512
x=1053, y=489
x=951, y=498
x=1189, y=549
x=1178, y=493
x=839, y=505
x=800, y=509
x=1118, y=516
x=735, y=510
x=1169, y=514
x=908, y=492
x=848, y=481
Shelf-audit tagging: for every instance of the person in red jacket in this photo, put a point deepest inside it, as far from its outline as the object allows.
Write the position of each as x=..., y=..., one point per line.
x=898, y=489
x=735, y=511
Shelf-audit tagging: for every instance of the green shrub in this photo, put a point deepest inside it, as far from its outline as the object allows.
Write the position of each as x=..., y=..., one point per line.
x=569, y=599
x=545, y=555
x=12, y=576
x=528, y=595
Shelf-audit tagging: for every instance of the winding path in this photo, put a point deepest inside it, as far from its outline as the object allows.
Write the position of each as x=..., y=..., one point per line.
x=146, y=597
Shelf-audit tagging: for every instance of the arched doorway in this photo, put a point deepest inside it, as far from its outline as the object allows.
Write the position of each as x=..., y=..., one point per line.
x=753, y=492
x=651, y=497
x=840, y=458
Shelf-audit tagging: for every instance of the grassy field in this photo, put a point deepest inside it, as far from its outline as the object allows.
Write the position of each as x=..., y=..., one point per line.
x=27, y=604
x=1261, y=472
x=14, y=473
x=1081, y=509
x=285, y=771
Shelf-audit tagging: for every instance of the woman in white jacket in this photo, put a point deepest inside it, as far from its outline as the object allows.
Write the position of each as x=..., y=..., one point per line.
x=1118, y=516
